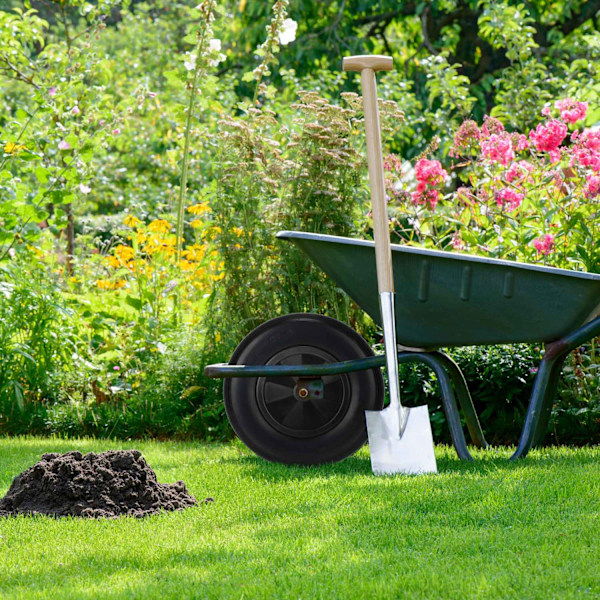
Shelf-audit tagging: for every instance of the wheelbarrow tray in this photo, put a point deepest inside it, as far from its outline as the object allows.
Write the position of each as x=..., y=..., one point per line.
x=446, y=299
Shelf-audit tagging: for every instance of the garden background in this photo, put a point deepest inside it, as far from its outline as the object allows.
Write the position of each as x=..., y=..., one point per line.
x=151, y=150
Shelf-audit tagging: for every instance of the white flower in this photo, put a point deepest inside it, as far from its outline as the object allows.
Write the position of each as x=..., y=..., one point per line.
x=190, y=64
x=84, y=189
x=288, y=32
x=214, y=45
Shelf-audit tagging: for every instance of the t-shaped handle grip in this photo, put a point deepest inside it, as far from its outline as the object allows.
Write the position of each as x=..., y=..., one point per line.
x=375, y=63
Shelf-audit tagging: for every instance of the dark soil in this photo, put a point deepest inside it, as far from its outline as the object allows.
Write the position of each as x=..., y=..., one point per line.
x=106, y=485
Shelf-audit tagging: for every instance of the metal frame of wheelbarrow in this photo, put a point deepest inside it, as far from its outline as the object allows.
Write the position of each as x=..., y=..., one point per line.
x=452, y=384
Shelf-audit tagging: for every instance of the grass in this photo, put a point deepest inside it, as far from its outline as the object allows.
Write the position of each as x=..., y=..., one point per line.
x=489, y=529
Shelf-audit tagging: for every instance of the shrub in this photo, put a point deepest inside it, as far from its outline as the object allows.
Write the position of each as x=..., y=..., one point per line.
x=38, y=337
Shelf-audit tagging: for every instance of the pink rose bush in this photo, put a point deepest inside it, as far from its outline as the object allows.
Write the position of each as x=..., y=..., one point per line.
x=531, y=196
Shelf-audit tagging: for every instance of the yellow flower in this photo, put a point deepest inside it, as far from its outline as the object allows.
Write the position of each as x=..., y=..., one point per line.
x=217, y=267
x=159, y=226
x=113, y=261
x=12, y=148
x=105, y=284
x=238, y=231
x=198, y=209
x=193, y=253
x=196, y=223
x=131, y=221
x=124, y=253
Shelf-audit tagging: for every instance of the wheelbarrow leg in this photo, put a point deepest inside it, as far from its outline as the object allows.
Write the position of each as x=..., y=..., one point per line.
x=540, y=405
x=448, y=399
x=464, y=398
x=546, y=381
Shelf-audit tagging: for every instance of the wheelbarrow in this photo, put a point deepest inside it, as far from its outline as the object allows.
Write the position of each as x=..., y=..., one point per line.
x=297, y=387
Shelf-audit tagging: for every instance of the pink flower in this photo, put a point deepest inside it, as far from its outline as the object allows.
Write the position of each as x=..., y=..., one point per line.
x=590, y=139
x=116, y=131
x=548, y=137
x=151, y=94
x=592, y=188
x=586, y=152
x=116, y=368
x=571, y=111
x=491, y=126
x=586, y=158
x=75, y=110
x=52, y=91
x=430, y=172
x=519, y=171
x=467, y=134
x=426, y=196
x=498, y=148
x=546, y=111
x=392, y=163
x=457, y=243
x=509, y=199
x=64, y=145
x=520, y=142
x=84, y=189
x=545, y=244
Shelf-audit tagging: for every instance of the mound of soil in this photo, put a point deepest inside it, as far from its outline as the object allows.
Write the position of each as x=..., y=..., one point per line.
x=108, y=485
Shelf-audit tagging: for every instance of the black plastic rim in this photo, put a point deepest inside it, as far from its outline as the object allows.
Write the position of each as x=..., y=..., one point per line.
x=295, y=416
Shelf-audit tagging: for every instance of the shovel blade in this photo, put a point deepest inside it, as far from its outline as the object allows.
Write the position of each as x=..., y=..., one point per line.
x=410, y=451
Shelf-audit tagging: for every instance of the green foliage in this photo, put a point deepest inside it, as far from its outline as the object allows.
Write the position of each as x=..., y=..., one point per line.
x=576, y=416
x=276, y=175
x=102, y=104
x=500, y=380
x=38, y=338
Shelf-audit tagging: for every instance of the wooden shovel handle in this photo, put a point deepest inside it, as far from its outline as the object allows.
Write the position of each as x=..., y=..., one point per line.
x=367, y=65
x=375, y=62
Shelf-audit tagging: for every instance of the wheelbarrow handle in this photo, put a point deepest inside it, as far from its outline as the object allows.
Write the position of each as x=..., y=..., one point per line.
x=367, y=65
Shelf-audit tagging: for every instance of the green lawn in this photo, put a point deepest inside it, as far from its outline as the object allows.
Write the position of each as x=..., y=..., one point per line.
x=489, y=529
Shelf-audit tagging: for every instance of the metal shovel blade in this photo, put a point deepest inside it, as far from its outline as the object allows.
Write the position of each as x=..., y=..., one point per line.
x=395, y=450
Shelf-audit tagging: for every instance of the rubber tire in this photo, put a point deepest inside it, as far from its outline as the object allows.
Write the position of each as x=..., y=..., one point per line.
x=362, y=390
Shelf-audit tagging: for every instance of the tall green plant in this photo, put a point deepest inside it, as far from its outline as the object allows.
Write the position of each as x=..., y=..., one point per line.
x=197, y=64
x=38, y=338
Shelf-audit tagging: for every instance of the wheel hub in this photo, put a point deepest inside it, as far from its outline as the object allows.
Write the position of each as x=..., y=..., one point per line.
x=307, y=389
x=303, y=406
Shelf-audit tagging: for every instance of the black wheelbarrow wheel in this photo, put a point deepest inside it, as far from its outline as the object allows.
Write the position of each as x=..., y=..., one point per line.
x=302, y=420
